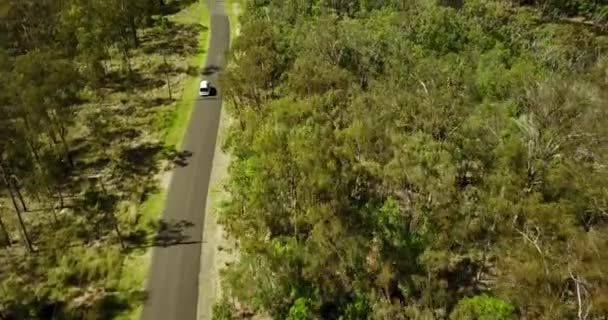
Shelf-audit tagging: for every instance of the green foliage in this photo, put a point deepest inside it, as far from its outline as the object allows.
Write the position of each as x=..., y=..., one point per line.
x=573, y=7
x=483, y=307
x=224, y=310
x=359, y=308
x=81, y=265
x=391, y=159
x=300, y=310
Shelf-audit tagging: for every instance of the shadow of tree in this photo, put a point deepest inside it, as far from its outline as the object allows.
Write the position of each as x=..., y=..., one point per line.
x=137, y=238
x=140, y=160
x=462, y=278
x=172, y=7
x=161, y=233
x=107, y=305
x=93, y=304
x=456, y=4
x=79, y=148
x=113, y=304
x=93, y=165
x=39, y=308
x=123, y=81
x=171, y=233
x=125, y=133
x=192, y=71
x=175, y=69
x=97, y=207
x=209, y=70
x=149, y=189
x=173, y=39
x=156, y=102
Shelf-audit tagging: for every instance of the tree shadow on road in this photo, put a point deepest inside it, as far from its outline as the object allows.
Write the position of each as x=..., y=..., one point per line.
x=165, y=234
x=172, y=233
x=209, y=70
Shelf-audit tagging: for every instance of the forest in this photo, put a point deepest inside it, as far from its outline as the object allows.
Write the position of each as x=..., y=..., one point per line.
x=418, y=160
x=89, y=114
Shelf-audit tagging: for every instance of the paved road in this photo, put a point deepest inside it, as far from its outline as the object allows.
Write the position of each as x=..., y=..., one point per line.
x=172, y=285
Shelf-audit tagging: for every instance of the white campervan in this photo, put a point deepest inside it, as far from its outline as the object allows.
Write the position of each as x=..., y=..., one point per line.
x=204, y=88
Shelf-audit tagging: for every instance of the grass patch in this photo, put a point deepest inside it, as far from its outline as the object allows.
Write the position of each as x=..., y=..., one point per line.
x=135, y=267
x=151, y=208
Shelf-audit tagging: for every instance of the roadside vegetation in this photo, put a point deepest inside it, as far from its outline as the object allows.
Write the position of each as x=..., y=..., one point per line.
x=94, y=99
x=418, y=160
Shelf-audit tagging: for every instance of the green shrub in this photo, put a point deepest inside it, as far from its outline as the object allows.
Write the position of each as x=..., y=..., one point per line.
x=483, y=307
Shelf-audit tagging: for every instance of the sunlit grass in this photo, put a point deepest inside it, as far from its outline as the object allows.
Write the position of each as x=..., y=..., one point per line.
x=196, y=12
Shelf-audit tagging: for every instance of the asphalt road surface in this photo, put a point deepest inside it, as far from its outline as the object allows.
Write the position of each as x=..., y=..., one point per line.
x=172, y=286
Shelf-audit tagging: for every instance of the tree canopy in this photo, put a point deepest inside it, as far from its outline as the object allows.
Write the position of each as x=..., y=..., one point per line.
x=418, y=160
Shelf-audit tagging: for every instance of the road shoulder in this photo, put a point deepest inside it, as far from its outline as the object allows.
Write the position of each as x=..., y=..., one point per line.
x=217, y=249
x=213, y=255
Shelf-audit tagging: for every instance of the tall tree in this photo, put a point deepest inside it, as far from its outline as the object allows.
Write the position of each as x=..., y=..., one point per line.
x=26, y=237
x=49, y=90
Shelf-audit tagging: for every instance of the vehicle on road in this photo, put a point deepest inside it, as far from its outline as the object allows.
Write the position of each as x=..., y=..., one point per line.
x=204, y=89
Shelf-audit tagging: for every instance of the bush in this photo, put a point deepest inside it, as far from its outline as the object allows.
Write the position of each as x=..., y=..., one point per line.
x=224, y=310
x=483, y=307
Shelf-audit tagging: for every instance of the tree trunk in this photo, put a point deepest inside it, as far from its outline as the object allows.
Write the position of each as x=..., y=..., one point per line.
x=66, y=150
x=236, y=102
x=17, y=186
x=133, y=31
x=169, y=85
x=31, y=142
x=61, y=202
x=53, y=137
x=128, y=61
x=167, y=76
x=61, y=132
x=5, y=232
x=39, y=167
x=125, y=56
x=26, y=237
x=34, y=153
x=122, y=244
x=114, y=219
x=125, y=41
x=55, y=220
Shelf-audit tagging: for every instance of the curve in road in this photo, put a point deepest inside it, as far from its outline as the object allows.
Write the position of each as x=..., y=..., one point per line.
x=172, y=285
